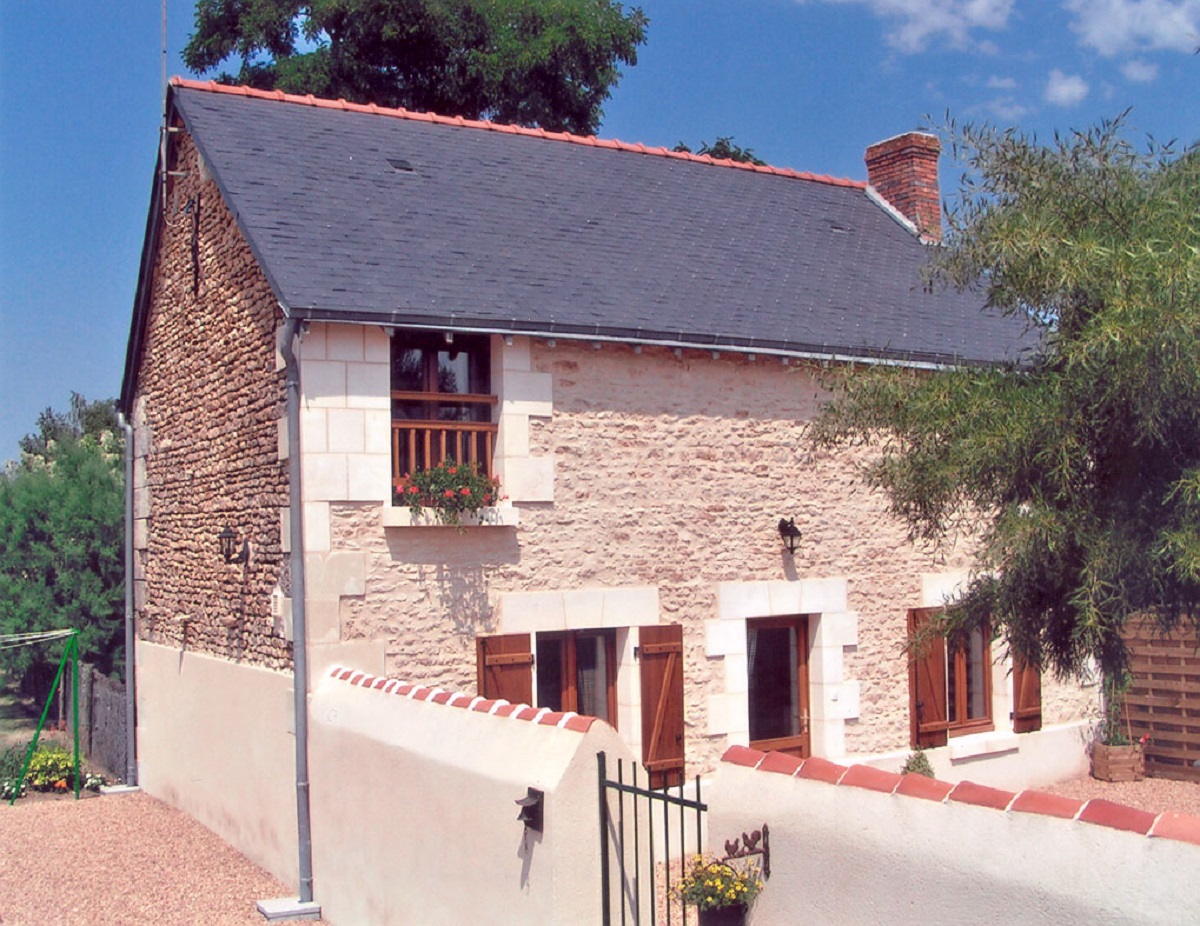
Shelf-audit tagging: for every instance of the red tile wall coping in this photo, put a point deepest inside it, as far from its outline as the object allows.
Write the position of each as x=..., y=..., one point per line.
x=568, y=720
x=589, y=140
x=1167, y=825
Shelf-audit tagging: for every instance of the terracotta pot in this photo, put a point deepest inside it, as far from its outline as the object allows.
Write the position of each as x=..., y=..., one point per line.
x=723, y=916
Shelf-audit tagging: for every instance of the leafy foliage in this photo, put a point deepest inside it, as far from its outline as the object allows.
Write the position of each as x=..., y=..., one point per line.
x=917, y=763
x=61, y=537
x=1078, y=472
x=547, y=63
x=724, y=149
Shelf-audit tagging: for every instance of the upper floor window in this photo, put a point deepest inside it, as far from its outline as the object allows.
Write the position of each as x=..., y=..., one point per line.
x=442, y=406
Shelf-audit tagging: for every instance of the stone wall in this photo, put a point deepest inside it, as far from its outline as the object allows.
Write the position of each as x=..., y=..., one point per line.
x=206, y=413
x=668, y=472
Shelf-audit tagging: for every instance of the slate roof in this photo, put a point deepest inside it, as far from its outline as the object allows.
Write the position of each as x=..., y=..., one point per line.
x=385, y=216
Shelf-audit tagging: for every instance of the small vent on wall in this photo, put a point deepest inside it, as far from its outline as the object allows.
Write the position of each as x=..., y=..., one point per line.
x=400, y=165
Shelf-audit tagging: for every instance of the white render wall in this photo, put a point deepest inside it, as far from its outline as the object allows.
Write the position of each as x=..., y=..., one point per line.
x=216, y=739
x=630, y=474
x=851, y=855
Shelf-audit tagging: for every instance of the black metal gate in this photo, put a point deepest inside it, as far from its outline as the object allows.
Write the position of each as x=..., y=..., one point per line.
x=642, y=830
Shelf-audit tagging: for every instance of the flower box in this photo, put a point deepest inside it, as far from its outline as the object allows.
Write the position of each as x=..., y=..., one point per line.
x=1118, y=763
x=500, y=516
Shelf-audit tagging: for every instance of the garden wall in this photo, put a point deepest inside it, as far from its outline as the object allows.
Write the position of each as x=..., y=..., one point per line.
x=215, y=739
x=102, y=720
x=414, y=813
x=857, y=845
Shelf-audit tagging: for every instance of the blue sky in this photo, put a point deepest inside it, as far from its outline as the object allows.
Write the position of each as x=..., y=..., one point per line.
x=806, y=84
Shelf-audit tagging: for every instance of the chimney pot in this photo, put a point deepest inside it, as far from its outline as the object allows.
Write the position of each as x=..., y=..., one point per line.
x=904, y=171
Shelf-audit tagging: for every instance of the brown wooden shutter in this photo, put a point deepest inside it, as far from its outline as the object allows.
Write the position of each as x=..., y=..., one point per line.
x=504, y=667
x=1027, y=697
x=927, y=685
x=661, y=653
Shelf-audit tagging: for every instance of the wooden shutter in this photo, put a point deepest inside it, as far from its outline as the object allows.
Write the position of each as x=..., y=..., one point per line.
x=661, y=653
x=927, y=685
x=1027, y=697
x=504, y=667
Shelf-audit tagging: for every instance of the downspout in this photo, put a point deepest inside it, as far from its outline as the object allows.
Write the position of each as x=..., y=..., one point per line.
x=131, y=774
x=299, y=624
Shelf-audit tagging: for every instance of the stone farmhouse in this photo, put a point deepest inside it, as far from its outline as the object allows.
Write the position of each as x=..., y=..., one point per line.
x=632, y=341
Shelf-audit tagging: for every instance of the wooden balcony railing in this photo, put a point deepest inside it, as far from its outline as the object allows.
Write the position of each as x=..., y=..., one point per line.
x=422, y=443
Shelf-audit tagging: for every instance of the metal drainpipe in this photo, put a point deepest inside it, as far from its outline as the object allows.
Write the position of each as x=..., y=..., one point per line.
x=299, y=624
x=131, y=774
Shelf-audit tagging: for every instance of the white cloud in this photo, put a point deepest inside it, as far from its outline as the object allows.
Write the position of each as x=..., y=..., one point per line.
x=1115, y=26
x=1141, y=72
x=1001, y=83
x=919, y=21
x=1065, y=89
x=1006, y=109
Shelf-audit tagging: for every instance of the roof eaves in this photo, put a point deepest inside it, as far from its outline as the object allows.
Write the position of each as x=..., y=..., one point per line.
x=592, y=141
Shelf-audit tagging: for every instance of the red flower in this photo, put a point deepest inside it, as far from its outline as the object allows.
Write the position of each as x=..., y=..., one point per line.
x=466, y=490
x=452, y=470
x=449, y=493
x=413, y=490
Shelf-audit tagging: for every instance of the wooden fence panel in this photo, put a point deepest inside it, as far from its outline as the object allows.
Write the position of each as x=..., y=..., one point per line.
x=1164, y=701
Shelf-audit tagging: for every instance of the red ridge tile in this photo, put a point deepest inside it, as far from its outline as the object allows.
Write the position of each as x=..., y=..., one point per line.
x=874, y=779
x=551, y=718
x=1117, y=816
x=309, y=100
x=929, y=789
x=483, y=706
x=967, y=792
x=580, y=723
x=1181, y=826
x=507, y=710
x=742, y=755
x=1050, y=805
x=780, y=763
x=818, y=769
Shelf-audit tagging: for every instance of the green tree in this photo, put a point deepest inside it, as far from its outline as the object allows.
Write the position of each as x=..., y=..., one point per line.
x=1077, y=471
x=547, y=63
x=61, y=538
x=724, y=148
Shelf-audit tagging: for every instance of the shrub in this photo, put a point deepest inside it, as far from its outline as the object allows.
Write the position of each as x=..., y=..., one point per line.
x=917, y=763
x=451, y=489
x=51, y=769
x=711, y=883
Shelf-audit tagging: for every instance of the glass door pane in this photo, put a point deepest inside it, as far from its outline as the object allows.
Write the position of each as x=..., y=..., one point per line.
x=774, y=688
x=591, y=675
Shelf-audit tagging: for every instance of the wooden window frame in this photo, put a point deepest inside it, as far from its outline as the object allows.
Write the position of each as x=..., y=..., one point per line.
x=800, y=744
x=933, y=667
x=570, y=667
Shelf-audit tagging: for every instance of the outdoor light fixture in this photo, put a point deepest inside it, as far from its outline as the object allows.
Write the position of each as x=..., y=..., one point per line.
x=227, y=540
x=531, y=805
x=789, y=533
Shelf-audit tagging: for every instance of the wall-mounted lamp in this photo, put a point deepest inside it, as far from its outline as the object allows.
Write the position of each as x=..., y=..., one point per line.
x=227, y=540
x=789, y=533
x=531, y=806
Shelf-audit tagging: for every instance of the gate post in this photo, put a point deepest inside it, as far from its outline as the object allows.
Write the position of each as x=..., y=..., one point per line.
x=602, y=790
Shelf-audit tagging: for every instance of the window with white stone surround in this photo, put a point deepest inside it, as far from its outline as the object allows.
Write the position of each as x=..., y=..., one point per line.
x=829, y=629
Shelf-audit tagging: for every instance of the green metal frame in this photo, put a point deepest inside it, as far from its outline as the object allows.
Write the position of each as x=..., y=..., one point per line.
x=71, y=651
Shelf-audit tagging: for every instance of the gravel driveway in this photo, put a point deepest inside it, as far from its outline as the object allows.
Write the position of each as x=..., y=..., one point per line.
x=124, y=860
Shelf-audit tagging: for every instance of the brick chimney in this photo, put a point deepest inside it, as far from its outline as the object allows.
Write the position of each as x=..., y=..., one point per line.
x=904, y=171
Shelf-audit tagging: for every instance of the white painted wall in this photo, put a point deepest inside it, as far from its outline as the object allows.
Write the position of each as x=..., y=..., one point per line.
x=215, y=739
x=849, y=855
x=415, y=820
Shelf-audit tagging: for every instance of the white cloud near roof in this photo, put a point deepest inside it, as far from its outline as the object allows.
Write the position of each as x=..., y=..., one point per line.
x=1065, y=89
x=1115, y=26
x=1139, y=71
x=919, y=21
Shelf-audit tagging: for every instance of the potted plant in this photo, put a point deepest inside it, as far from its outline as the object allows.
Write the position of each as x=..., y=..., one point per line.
x=1116, y=756
x=720, y=892
x=450, y=489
